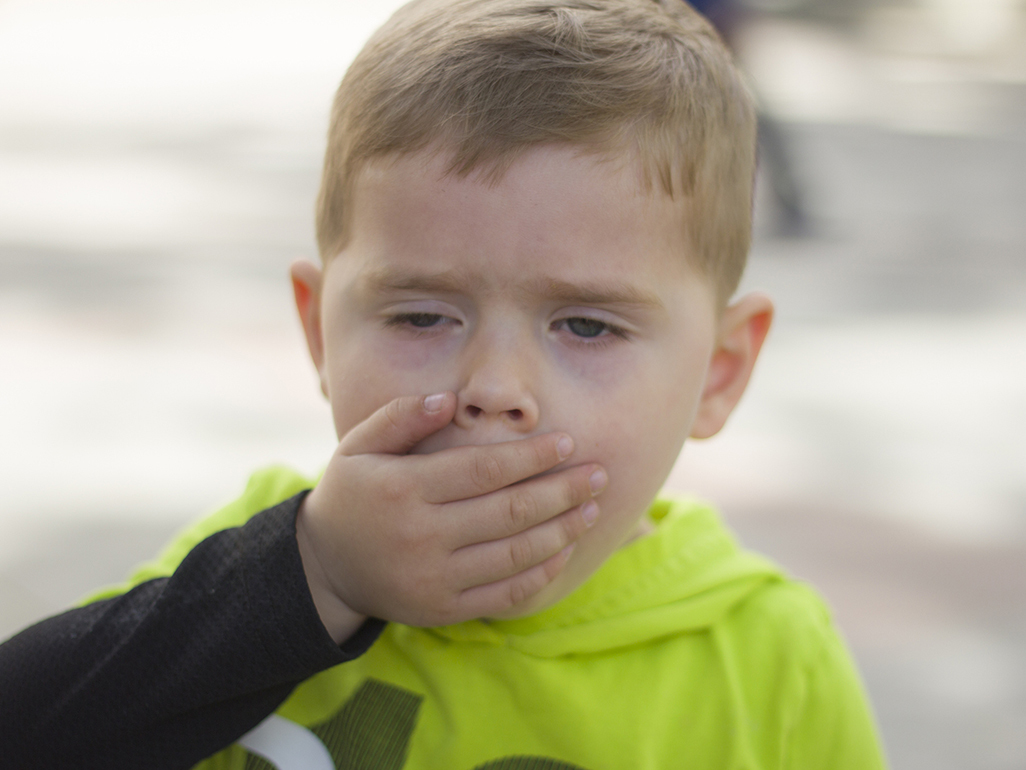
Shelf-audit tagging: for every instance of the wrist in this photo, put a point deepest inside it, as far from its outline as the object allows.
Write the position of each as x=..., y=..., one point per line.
x=338, y=619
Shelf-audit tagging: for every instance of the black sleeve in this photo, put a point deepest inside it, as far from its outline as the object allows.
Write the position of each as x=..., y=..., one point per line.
x=177, y=668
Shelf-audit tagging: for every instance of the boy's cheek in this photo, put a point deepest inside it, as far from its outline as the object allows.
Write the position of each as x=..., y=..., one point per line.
x=413, y=356
x=639, y=449
x=360, y=385
x=598, y=375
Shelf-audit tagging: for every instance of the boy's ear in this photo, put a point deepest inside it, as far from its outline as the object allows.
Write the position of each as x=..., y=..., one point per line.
x=742, y=330
x=306, y=287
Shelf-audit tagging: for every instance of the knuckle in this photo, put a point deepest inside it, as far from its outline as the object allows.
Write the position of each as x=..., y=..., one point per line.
x=520, y=590
x=415, y=543
x=450, y=612
x=444, y=603
x=520, y=553
x=550, y=569
x=393, y=413
x=401, y=491
x=486, y=471
x=541, y=455
x=419, y=586
x=573, y=492
x=394, y=491
x=459, y=609
x=522, y=511
x=572, y=527
x=408, y=534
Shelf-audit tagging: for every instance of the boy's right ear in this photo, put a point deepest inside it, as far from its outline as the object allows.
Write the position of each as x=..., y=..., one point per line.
x=306, y=287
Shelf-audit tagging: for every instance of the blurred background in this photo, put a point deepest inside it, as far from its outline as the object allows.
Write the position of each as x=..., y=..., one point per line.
x=158, y=166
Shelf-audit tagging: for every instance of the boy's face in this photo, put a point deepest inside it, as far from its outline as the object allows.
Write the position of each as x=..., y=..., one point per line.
x=558, y=299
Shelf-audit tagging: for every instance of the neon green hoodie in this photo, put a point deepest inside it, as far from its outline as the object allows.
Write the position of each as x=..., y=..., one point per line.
x=681, y=651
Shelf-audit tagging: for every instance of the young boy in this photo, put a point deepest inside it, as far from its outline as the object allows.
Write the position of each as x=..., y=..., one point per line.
x=532, y=218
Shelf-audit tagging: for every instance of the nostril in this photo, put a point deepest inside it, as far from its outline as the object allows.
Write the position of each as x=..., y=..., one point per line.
x=473, y=412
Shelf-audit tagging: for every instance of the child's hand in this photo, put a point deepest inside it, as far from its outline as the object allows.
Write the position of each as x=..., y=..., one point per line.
x=440, y=538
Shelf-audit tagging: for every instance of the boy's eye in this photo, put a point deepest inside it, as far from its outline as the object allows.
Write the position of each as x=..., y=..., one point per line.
x=418, y=320
x=586, y=327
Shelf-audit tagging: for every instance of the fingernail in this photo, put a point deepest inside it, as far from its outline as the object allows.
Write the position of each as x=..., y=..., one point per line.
x=564, y=447
x=434, y=403
x=568, y=550
x=598, y=481
x=590, y=513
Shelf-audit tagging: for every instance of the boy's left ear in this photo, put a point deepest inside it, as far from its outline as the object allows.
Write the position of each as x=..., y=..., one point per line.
x=742, y=330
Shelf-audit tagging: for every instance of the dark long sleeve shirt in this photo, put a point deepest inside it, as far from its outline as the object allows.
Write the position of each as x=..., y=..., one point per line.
x=178, y=667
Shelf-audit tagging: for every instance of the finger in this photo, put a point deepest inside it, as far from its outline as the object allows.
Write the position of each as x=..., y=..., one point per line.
x=400, y=425
x=485, y=563
x=470, y=471
x=519, y=507
x=493, y=598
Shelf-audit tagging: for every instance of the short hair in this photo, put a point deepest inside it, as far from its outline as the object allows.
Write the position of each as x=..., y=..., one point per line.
x=487, y=80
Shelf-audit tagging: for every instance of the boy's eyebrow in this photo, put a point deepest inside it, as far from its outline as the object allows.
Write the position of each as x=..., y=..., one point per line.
x=594, y=293
x=448, y=282
x=455, y=281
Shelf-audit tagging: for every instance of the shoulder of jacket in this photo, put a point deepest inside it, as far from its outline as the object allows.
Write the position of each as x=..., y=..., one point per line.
x=787, y=615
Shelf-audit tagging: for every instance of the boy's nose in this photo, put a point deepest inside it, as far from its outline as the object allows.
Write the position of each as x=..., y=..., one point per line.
x=497, y=391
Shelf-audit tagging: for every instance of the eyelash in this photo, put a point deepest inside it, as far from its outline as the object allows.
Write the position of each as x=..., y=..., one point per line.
x=614, y=333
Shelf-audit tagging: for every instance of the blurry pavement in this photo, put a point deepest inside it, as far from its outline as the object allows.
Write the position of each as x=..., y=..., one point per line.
x=158, y=165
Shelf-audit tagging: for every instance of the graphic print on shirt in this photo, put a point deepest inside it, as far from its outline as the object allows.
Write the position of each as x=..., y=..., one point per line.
x=373, y=728
x=370, y=732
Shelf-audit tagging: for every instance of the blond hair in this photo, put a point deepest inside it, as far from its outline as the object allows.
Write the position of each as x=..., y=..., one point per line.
x=488, y=79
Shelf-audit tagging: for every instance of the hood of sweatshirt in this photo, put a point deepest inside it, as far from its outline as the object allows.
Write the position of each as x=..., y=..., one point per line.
x=685, y=576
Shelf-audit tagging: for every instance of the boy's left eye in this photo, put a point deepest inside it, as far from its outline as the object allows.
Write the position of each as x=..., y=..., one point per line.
x=585, y=327
x=591, y=328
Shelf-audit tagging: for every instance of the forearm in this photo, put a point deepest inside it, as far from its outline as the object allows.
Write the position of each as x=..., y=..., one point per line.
x=177, y=668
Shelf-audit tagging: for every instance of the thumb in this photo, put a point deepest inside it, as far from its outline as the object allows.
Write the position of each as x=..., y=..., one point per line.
x=400, y=425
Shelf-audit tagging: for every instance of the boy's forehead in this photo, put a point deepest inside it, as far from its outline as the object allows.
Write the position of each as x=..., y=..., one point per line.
x=559, y=222
x=590, y=196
